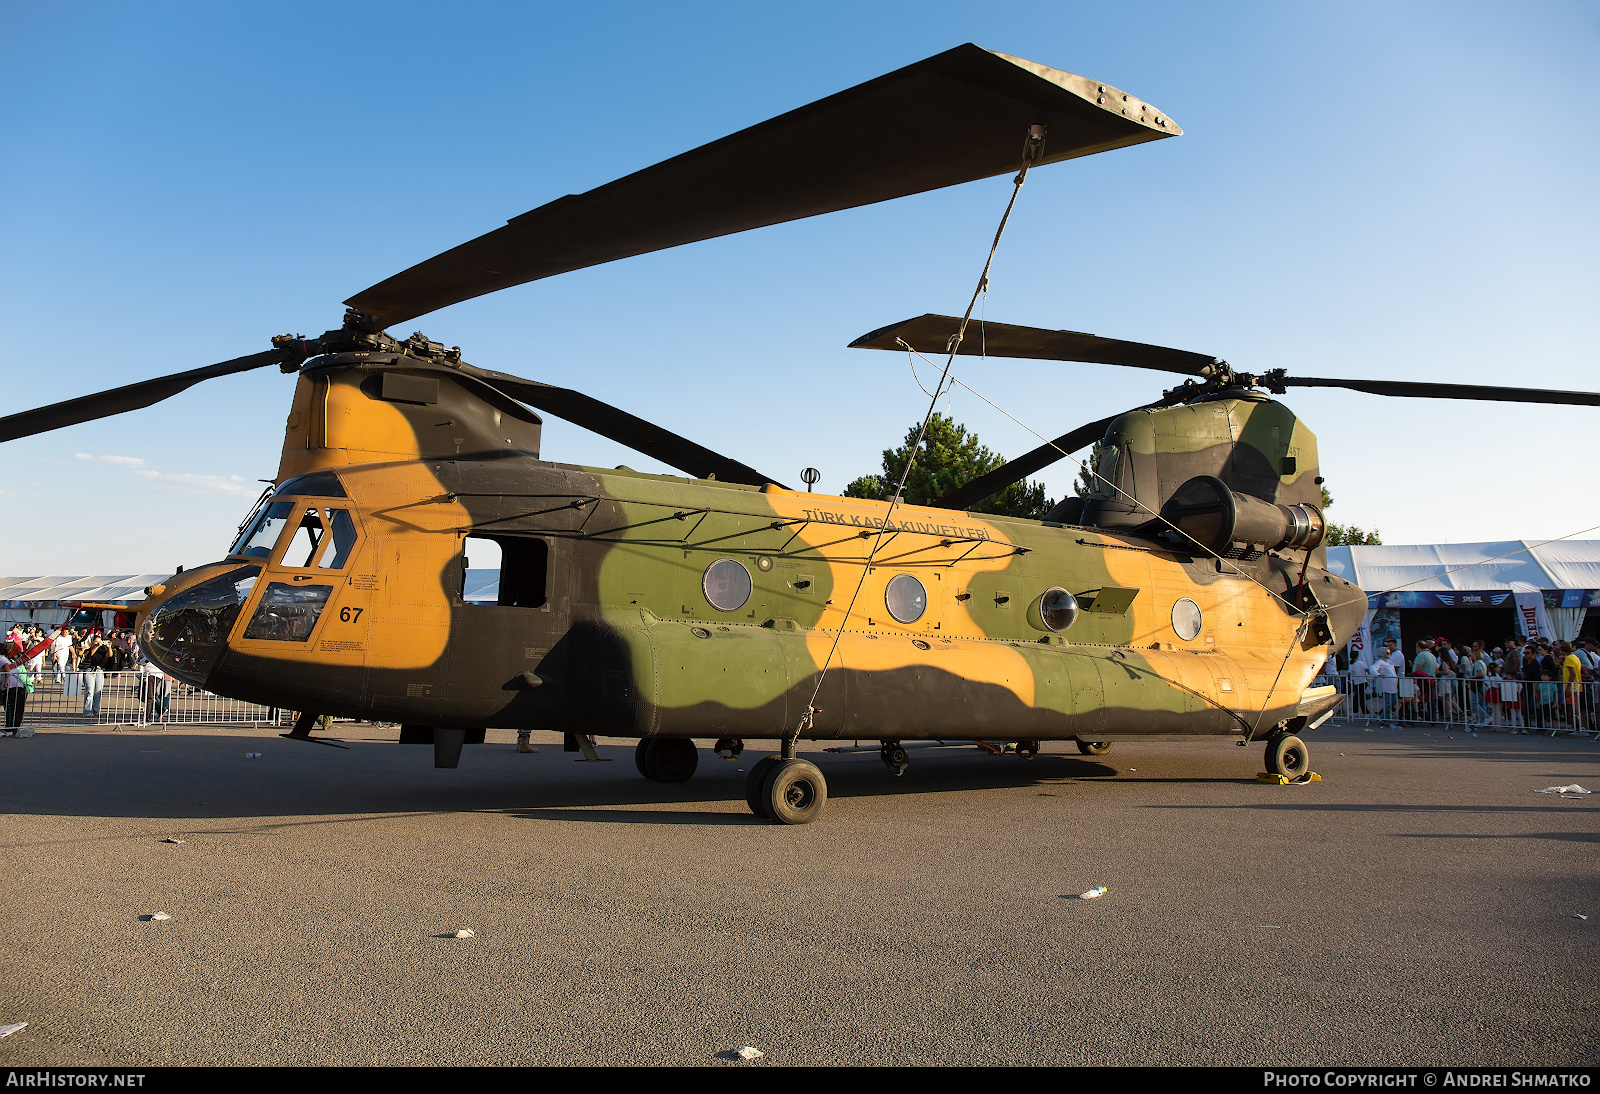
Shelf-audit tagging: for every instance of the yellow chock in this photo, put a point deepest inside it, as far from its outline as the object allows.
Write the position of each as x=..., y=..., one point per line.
x=1284, y=780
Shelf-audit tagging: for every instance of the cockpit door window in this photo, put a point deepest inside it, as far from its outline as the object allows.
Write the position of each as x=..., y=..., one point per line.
x=302, y=549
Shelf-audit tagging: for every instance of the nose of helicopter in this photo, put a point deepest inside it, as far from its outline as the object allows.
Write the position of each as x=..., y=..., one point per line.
x=1347, y=607
x=183, y=627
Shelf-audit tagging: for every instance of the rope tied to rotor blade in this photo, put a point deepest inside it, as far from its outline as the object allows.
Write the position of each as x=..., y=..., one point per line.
x=1033, y=145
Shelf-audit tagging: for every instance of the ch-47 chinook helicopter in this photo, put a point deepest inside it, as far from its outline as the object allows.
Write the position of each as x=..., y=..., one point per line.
x=1186, y=597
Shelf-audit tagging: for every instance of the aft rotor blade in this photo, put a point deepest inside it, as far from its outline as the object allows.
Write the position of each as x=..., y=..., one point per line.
x=624, y=428
x=120, y=400
x=952, y=118
x=931, y=334
x=964, y=497
x=1421, y=389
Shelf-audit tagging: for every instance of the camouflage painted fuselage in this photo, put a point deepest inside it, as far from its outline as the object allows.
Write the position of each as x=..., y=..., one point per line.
x=626, y=641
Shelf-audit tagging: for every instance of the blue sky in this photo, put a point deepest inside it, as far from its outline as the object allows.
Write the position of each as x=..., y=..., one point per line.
x=1393, y=190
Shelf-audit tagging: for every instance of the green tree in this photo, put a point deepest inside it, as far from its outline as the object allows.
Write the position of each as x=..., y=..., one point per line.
x=1347, y=535
x=950, y=457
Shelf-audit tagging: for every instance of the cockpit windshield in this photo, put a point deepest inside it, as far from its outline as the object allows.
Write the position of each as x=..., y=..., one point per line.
x=1102, y=480
x=262, y=535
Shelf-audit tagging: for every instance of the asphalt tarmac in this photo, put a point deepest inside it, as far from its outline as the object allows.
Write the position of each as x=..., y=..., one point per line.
x=1416, y=907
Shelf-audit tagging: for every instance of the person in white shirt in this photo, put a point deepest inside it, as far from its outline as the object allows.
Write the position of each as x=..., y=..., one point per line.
x=1511, y=692
x=153, y=689
x=1388, y=684
x=61, y=654
x=1392, y=651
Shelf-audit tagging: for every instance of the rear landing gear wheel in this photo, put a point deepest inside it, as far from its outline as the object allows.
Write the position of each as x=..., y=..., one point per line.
x=1094, y=748
x=666, y=759
x=795, y=792
x=755, y=785
x=1287, y=755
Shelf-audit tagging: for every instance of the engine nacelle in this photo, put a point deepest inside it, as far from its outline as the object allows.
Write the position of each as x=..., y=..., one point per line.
x=1216, y=517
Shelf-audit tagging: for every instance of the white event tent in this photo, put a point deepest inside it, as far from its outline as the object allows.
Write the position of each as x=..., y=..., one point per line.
x=51, y=600
x=1551, y=585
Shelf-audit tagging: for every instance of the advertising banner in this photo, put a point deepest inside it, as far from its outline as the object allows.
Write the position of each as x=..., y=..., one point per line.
x=1361, y=642
x=1382, y=625
x=1531, y=617
x=1552, y=598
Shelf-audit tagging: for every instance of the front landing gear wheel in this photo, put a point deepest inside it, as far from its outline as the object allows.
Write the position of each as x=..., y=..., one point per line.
x=1287, y=755
x=1094, y=748
x=795, y=792
x=755, y=785
x=666, y=759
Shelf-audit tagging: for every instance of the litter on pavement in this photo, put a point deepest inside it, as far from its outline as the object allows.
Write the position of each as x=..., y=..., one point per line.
x=7, y=1031
x=466, y=932
x=159, y=917
x=252, y=755
x=1093, y=894
x=1574, y=789
x=174, y=839
x=748, y=1053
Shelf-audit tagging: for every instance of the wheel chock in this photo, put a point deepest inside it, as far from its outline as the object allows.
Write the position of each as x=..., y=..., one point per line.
x=1284, y=780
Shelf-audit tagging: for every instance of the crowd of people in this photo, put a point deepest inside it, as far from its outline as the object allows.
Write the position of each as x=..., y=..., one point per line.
x=76, y=659
x=1520, y=686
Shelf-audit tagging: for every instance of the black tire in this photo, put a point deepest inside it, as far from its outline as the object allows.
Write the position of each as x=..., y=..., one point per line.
x=795, y=792
x=1094, y=748
x=667, y=759
x=1287, y=755
x=755, y=785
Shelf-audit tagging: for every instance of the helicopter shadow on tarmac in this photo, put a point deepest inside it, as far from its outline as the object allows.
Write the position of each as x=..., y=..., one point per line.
x=180, y=782
x=846, y=779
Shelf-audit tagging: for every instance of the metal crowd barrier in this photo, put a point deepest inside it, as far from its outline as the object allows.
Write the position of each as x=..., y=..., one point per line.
x=1545, y=706
x=133, y=699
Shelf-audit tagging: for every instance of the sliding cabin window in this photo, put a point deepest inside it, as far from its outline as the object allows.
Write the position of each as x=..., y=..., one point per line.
x=508, y=571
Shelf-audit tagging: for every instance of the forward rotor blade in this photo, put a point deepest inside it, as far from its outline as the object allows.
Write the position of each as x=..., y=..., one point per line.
x=624, y=428
x=983, y=486
x=1415, y=389
x=120, y=400
x=952, y=118
x=931, y=334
